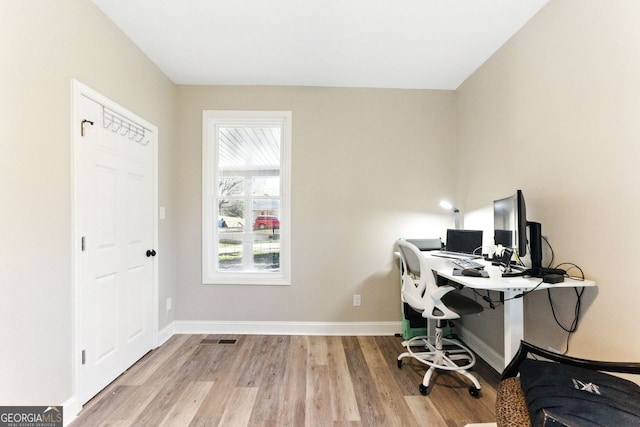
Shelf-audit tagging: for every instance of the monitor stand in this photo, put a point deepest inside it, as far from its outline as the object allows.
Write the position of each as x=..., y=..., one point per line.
x=514, y=271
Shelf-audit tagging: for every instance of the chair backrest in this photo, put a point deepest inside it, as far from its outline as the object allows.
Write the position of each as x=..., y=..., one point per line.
x=427, y=244
x=419, y=287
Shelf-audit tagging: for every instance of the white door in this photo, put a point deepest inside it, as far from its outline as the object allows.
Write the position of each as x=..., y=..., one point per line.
x=115, y=256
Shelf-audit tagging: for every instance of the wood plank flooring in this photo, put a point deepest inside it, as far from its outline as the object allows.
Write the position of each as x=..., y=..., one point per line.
x=200, y=380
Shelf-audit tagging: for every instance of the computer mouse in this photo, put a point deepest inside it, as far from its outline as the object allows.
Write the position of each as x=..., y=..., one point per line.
x=471, y=272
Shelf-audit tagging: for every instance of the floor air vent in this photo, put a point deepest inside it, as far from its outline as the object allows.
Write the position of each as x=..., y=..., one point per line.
x=215, y=341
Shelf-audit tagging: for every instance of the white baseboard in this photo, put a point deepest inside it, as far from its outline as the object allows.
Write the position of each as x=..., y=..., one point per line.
x=286, y=328
x=165, y=333
x=70, y=410
x=489, y=355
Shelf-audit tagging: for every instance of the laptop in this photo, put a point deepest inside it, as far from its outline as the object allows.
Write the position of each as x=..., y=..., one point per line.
x=463, y=243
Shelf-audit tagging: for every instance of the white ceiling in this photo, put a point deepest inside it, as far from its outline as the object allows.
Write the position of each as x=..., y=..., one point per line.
x=418, y=44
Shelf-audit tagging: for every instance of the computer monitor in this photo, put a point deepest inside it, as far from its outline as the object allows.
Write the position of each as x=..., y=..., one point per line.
x=510, y=223
x=510, y=227
x=464, y=241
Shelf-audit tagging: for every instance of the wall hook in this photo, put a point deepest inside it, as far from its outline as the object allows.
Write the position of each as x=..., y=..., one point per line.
x=82, y=126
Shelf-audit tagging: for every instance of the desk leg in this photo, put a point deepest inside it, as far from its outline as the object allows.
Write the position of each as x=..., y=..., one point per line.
x=513, y=324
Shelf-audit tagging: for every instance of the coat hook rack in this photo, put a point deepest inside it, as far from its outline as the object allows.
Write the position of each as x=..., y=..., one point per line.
x=125, y=127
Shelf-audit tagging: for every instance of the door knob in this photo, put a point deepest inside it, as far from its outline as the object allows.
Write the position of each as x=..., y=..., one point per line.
x=151, y=252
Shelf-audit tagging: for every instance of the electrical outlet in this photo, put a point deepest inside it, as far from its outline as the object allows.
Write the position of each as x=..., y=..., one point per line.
x=356, y=300
x=168, y=303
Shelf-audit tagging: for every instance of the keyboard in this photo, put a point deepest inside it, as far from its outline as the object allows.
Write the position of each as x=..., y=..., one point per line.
x=464, y=263
x=453, y=255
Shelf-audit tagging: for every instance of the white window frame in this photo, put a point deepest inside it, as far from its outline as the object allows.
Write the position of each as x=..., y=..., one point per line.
x=211, y=120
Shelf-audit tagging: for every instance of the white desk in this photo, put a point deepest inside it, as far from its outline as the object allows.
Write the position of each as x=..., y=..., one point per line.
x=511, y=286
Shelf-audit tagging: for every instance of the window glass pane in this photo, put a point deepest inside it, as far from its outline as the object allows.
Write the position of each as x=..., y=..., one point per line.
x=266, y=250
x=232, y=212
x=249, y=148
x=266, y=213
x=230, y=228
x=265, y=185
x=231, y=186
x=230, y=215
x=266, y=226
x=229, y=253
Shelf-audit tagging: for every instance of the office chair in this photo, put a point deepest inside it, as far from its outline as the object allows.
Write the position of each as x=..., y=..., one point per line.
x=441, y=303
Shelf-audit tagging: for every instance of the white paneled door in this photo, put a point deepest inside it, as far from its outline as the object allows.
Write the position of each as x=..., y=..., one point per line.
x=115, y=253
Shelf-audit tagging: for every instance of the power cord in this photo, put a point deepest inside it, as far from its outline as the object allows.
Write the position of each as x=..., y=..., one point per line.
x=523, y=293
x=553, y=254
x=574, y=324
x=578, y=291
x=572, y=265
x=576, y=310
x=488, y=299
x=517, y=259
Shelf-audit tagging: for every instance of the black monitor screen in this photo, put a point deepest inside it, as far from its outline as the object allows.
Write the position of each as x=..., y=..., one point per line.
x=464, y=241
x=510, y=223
x=504, y=238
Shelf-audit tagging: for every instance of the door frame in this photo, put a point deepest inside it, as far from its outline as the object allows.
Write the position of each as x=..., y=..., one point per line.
x=78, y=90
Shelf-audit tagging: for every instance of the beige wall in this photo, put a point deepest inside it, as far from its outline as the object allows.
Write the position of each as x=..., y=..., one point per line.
x=556, y=112
x=43, y=45
x=369, y=166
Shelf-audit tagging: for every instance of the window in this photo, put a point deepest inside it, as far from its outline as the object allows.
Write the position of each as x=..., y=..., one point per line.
x=246, y=189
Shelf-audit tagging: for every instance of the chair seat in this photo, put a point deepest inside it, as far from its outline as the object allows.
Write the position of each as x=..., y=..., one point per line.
x=461, y=304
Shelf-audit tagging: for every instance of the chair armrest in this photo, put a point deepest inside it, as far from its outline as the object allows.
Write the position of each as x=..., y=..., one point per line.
x=441, y=291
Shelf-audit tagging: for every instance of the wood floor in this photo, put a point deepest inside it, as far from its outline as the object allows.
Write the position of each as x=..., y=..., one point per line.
x=251, y=380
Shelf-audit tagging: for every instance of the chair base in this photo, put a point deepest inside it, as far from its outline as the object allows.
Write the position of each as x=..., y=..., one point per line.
x=436, y=356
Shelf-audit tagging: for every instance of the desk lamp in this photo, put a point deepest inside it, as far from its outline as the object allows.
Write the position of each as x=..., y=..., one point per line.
x=456, y=212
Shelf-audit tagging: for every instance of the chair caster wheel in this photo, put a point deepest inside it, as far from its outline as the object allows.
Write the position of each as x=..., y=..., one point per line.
x=475, y=392
x=399, y=363
x=424, y=390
